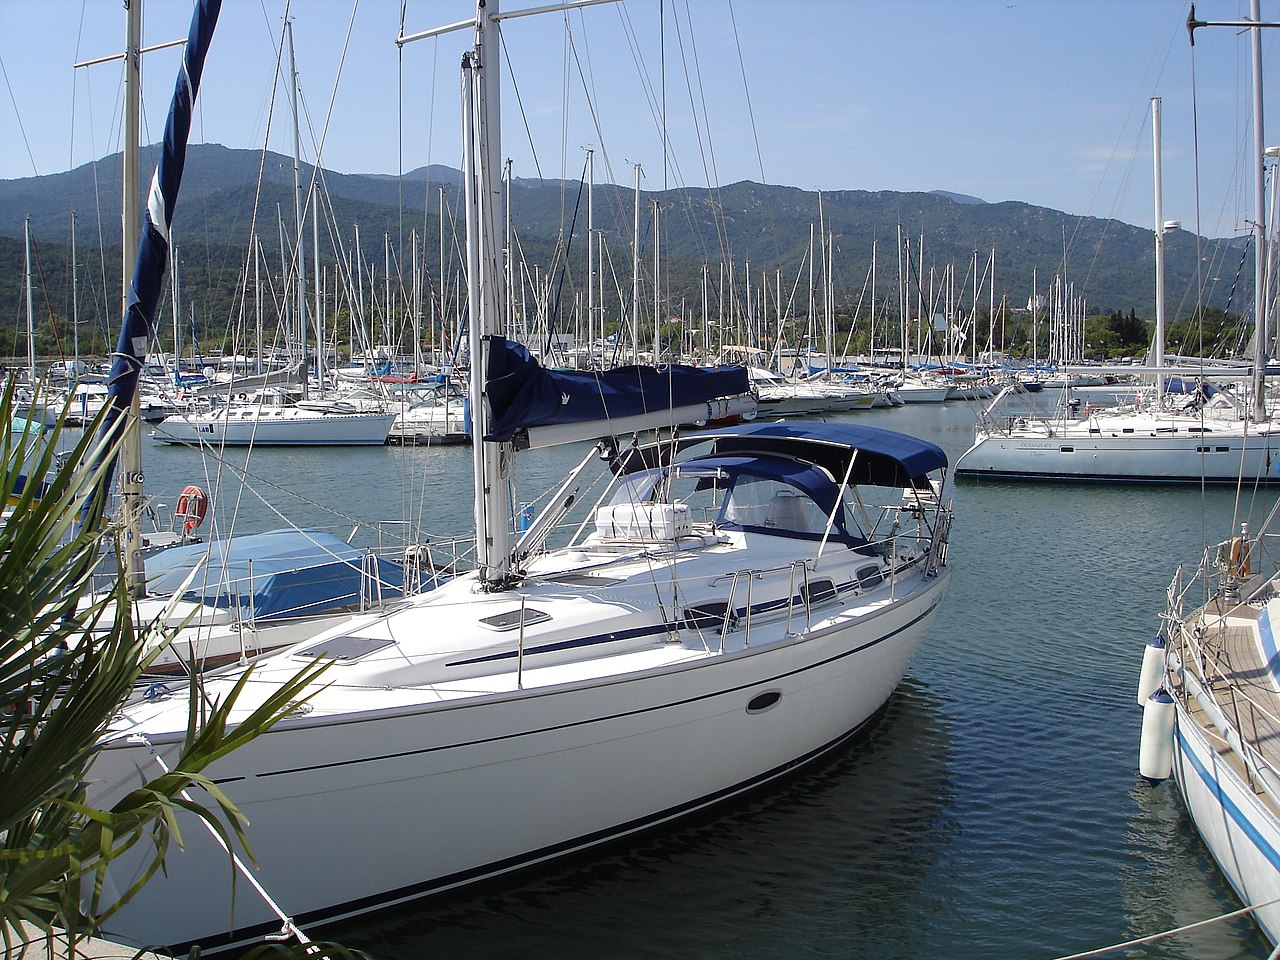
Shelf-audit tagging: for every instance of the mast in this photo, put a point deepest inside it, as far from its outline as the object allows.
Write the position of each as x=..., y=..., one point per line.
x=131, y=473
x=491, y=462
x=75, y=294
x=175, y=302
x=657, y=288
x=1158, y=359
x=300, y=260
x=1254, y=25
x=635, y=275
x=1259, y=222
x=31, y=312
x=591, y=259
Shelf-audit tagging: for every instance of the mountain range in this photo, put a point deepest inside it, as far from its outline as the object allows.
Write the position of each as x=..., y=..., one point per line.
x=761, y=228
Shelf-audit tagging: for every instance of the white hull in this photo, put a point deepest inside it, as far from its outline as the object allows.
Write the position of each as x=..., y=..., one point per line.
x=910, y=394
x=288, y=426
x=1240, y=829
x=450, y=791
x=1221, y=453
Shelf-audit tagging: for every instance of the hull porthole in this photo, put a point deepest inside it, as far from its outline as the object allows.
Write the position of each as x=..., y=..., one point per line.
x=764, y=701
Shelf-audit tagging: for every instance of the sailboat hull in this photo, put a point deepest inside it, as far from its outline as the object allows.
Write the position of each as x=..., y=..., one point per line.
x=1125, y=457
x=397, y=805
x=1240, y=827
x=287, y=427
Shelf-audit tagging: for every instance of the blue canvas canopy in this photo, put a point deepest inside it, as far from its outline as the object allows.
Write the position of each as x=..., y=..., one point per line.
x=879, y=457
x=1189, y=385
x=523, y=393
x=281, y=573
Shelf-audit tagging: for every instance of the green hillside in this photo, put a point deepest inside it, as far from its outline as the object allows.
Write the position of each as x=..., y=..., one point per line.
x=761, y=227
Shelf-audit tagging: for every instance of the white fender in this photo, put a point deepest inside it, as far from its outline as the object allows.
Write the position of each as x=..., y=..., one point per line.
x=1155, y=753
x=1152, y=675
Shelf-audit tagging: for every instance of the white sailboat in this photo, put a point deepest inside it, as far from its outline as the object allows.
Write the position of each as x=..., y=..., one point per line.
x=1210, y=681
x=1205, y=438
x=274, y=422
x=737, y=603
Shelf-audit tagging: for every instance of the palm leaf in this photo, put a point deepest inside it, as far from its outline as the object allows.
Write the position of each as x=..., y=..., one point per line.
x=67, y=664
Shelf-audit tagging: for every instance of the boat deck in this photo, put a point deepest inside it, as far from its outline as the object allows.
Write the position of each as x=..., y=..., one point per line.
x=1234, y=668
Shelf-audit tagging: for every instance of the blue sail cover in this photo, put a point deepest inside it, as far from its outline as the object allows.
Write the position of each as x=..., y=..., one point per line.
x=268, y=576
x=524, y=394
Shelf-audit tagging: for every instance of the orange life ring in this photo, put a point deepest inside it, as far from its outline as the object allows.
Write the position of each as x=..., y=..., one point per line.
x=191, y=508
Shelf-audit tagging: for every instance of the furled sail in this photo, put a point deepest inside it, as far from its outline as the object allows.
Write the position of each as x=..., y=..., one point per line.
x=153, y=249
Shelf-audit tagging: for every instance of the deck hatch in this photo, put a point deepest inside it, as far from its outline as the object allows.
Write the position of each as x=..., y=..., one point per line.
x=583, y=580
x=346, y=648
x=513, y=618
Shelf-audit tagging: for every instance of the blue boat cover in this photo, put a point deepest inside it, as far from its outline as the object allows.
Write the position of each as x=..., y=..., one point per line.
x=281, y=573
x=879, y=457
x=523, y=393
x=1189, y=385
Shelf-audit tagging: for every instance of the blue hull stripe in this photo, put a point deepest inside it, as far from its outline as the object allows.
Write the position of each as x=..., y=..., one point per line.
x=1229, y=807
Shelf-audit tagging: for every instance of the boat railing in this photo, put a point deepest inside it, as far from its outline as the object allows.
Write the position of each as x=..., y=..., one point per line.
x=1239, y=712
x=803, y=591
x=1199, y=638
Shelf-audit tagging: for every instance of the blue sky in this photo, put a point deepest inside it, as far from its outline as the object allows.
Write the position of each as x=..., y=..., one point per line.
x=1042, y=101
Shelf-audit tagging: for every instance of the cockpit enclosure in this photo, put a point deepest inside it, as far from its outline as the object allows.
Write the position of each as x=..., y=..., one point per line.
x=753, y=494
x=831, y=483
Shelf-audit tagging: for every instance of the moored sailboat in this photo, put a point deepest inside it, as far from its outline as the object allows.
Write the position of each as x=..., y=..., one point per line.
x=737, y=602
x=1169, y=439
x=1210, y=680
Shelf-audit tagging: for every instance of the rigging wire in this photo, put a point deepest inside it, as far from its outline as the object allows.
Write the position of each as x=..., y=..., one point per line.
x=18, y=116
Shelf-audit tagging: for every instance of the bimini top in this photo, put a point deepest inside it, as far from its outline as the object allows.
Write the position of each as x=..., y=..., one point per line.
x=281, y=573
x=879, y=457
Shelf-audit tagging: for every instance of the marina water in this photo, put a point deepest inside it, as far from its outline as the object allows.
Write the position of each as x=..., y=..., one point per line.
x=993, y=813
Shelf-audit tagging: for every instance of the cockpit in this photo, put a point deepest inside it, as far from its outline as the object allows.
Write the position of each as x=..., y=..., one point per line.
x=754, y=494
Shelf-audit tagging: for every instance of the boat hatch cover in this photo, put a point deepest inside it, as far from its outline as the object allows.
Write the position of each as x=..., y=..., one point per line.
x=514, y=618
x=345, y=648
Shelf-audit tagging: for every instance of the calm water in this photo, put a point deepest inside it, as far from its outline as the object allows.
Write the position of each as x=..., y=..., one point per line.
x=993, y=813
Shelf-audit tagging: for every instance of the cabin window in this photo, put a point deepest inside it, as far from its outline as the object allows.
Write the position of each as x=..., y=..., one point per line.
x=1067, y=449
x=708, y=616
x=869, y=577
x=817, y=591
